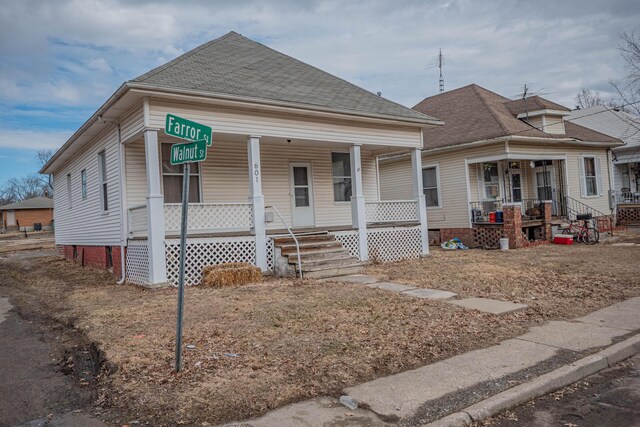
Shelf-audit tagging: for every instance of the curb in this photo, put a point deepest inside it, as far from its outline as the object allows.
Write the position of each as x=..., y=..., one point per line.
x=542, y=385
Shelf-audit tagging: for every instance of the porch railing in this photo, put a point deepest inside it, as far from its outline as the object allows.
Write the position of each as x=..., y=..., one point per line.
x=137, y=219
x=481, y=210
x=391, y=211
x=627, y=197
x=232, y=216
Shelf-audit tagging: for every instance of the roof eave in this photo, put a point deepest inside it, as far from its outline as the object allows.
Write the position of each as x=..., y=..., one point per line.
x=90, y=121
x=426, y=122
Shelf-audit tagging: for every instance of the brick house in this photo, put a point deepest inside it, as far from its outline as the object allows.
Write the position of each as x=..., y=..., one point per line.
x=27, y=213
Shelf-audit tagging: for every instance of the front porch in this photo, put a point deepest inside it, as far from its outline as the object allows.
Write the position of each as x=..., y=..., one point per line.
x=302, y=189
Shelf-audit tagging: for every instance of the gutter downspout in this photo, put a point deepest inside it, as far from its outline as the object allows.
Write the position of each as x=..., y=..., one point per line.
x=123, y=208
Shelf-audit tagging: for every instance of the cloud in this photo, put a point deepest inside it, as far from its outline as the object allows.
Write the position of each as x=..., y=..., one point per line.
x=32, y=140
x=100, y=65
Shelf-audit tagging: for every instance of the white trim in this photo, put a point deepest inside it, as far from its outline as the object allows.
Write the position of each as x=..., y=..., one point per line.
x=145, y=112
x=548, y=111
x=435, y=165
x=69, y=191
x=466, y=172
x=544, y=123
x=583, y=175
x=519, y=156
x=102, y=181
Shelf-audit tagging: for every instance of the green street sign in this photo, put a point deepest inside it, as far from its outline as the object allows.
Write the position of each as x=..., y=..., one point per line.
x=186, y=129
x=188, y=152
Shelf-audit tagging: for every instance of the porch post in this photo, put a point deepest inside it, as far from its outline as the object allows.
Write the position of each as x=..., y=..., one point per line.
x=257, y=200
x=358, y=217
x=418, y=194
x=155, y=211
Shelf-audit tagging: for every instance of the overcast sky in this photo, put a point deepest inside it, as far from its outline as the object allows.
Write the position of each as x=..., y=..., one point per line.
x=60, y=60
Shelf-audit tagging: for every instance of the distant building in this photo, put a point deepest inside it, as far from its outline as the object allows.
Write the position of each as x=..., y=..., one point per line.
x=27, y=214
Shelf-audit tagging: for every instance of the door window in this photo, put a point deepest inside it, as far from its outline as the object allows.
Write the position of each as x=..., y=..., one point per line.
x=490, y=180
x=301, y=186
x=516, y=186
x=543, y=185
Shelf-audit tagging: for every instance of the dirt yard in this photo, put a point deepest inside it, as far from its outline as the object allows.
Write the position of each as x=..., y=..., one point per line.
x=262, y=346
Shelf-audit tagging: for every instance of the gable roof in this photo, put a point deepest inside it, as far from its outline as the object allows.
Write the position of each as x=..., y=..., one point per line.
x=533, y=103
x=33, y=203
x=612, y=122
x=473, y=113
x=235, y=65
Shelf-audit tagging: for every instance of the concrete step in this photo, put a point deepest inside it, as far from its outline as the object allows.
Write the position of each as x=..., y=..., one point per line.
x=310, y=263
x=320, y=256
x=322, y=273
x=288, y=240
x=310, y=246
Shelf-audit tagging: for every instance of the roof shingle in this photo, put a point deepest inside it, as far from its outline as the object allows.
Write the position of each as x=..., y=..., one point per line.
x=235, y=65
x=472, y=113
x=33, y=203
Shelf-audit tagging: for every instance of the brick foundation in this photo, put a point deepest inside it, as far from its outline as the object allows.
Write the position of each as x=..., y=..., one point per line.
x=93, y=256
x=465, y=235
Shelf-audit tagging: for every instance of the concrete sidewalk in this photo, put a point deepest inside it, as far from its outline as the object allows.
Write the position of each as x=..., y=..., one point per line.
x=419, y=396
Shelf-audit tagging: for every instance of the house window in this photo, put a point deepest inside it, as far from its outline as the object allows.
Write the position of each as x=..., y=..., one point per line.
x=83, y=180
x=102, y=176
x=430, y=186
x=490, y=181
x=69, y=198
x=172, y=179
x=590, y=176
x=341, y=167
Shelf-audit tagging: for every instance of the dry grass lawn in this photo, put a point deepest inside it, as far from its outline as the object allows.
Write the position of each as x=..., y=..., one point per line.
x=265, y=345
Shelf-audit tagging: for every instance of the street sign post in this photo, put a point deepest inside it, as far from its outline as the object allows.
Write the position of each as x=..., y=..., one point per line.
x=188, y=152
x=198, y=138
x=186, y=129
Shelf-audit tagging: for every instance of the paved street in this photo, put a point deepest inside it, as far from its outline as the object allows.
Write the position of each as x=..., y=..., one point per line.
x=34, y=391
x=609, y=398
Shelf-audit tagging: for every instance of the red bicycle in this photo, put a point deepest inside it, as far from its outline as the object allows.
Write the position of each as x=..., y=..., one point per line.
x=582, y=230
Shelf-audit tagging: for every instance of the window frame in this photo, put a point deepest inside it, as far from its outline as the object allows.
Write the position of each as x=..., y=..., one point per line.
x=585, y=177
x=437, y=187
x=348, y=154
x=103, y=182
x=69, y=191
x=497, y=183
x=180, y=174
x=83, y=184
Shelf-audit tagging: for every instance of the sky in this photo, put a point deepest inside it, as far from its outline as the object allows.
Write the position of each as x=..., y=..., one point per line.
x=61, y=59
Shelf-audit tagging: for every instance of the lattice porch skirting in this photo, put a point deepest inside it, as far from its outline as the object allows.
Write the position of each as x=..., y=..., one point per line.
x=137, y=262
x=211, y=251
x=385, y=244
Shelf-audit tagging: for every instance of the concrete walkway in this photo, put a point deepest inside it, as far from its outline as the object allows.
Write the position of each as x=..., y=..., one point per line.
x=486, y=305
x=433, y=391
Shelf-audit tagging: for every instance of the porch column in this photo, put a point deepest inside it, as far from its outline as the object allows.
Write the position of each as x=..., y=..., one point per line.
x=257, y=200
x=418, y=194
x=155, y=211
x=358, y=217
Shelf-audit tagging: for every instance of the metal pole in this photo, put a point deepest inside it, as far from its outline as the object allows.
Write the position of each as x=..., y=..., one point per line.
x=183, y=253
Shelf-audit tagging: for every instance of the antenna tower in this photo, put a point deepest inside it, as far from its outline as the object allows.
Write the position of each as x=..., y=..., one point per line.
x=440, y=63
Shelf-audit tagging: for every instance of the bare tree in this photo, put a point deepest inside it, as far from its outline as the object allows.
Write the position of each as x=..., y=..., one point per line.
x=629, y=88
x=43, y=157
x=586, y=98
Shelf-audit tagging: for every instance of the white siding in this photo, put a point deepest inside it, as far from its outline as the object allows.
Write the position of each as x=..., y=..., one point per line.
x=535, y=121
x=132, y=123
x=245, y=122
x=554, y=124
x=85, y=223
x=225, y=177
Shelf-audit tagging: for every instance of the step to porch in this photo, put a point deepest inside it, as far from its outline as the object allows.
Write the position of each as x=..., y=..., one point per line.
x=321, y=255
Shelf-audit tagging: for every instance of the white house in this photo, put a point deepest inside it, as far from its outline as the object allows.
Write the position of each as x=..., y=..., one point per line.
x=493, y=152
x=293, y=147
x=625, y=159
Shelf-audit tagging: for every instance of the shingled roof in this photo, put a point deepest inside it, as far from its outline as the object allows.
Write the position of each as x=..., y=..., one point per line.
x=33, y=203
x=237, y=66
x=472, y=113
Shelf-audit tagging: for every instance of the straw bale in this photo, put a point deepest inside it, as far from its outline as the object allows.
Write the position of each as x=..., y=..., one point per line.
x=230, y=274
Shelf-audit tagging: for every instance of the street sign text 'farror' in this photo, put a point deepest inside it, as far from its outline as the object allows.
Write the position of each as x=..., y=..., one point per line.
x=186, y=129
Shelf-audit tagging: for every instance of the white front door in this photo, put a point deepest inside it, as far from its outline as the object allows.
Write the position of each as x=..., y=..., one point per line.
x=544, y=182
x=301, y=194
